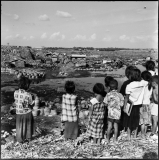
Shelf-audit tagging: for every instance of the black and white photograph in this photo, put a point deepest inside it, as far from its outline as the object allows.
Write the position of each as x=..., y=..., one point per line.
x=79, y=79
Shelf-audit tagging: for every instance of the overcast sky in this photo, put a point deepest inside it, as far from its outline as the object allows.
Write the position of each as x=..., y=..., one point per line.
x=81, y=24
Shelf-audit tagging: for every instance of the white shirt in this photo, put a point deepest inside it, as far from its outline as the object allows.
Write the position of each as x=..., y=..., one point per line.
x=152, y=72
x=136, y=91
x=147, y=95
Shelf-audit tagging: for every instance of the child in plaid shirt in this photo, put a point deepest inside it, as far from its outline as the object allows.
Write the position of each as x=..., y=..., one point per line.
x=70, y=111
x=96, y=114
x=114, y=101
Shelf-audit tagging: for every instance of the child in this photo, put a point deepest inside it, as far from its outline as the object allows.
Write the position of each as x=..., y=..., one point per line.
x=145, y=112
x=154, y=109
x=70, y=111
x=114, y=101
x=134, y=92
x=124, y=117
x=150, y=66
x=96, y=114
x=107, y=81
x=24, y=117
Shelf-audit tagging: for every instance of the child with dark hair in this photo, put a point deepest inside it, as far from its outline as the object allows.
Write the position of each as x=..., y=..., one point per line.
x=96, y=114
x=24, y=118
x=107, y=81
x=150, y=155
x=134, y=93
x=150, y=66
x=154, y=109
x=145, y=111
x=70, y=111
x=128, y=74
x=114, y=101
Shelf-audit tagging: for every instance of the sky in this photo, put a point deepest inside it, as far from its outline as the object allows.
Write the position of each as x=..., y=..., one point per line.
x=98, y=24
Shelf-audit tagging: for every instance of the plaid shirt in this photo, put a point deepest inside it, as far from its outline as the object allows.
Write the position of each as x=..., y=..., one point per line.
x=22, y=101
x=69, y=108
x=96, y=121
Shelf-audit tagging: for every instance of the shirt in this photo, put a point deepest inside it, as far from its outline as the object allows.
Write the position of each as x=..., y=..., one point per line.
x=115, y=101
x=136, y=91
x=152, y=72
x=22, y=101
x=147, y=95
x=69, y=108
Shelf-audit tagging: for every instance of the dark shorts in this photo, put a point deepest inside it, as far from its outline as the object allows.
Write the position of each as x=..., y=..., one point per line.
x=113, y=120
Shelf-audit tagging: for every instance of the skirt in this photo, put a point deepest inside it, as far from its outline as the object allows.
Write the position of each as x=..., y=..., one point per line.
x=132, y=121
x=71, y=130
x=24, y=126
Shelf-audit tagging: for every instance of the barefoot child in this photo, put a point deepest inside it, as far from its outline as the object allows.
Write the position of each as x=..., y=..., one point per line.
x=135, y=93
x=96, y=114
x=114, y=101
x=145, y=111
x=24, y=118
x=154, y=109
x=70, y=111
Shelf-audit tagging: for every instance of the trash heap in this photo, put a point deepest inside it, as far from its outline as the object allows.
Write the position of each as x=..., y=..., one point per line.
x=53, y=145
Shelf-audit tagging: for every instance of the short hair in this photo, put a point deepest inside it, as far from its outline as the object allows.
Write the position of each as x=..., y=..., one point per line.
x=113, y=84
x=150, y=65
x=69, y=87
x=107, y=80
x=128, y=70
x=99, y=89
x=155, y=78
x=146, y=75
x=135, y=75
x=24, y=83
x=150, y=155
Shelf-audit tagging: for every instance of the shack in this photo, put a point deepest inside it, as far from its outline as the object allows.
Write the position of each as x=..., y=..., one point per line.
x=18, y=62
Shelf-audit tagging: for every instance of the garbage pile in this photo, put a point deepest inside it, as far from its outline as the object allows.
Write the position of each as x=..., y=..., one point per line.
x=53, y=145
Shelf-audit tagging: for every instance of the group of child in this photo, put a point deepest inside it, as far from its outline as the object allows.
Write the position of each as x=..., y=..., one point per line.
x=106, y=109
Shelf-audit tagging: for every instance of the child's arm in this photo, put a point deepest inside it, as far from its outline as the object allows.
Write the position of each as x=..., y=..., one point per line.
x=155, y=95
x=126, y=101
x=90, y=111
x=121, y=100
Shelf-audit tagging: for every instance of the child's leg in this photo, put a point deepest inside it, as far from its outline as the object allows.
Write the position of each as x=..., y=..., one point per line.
x=154, y=124
x=143, y=131
x=135, y=133
x=115, y=131
x=129, y=133
x=98, y=140
x=109, y=130
x=94, y=140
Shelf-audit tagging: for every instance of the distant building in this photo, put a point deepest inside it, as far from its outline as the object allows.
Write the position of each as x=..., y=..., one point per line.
x=106, y=61
x=18, y=62
x=78, y=56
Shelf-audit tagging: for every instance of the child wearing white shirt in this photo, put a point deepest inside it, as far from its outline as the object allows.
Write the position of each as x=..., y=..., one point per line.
x=134, y=92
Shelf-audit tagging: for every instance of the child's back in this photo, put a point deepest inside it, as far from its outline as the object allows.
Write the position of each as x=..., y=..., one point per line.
x=70, y=111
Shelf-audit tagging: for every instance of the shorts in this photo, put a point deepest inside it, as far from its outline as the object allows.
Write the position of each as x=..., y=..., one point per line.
x=113, y=120
x=154, y=109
